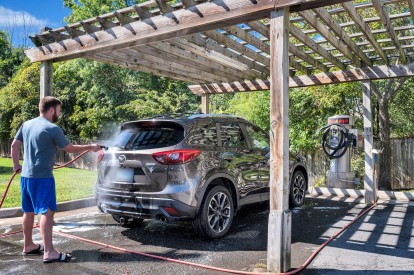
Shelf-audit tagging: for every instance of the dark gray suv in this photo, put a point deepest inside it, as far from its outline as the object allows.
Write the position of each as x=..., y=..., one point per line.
x=200, y=167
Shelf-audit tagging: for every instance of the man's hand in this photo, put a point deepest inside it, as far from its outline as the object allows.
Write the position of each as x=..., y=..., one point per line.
x=95, y=147
x=17, y=167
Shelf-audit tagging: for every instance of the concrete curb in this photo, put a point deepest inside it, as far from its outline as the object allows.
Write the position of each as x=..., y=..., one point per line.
x=342, y=192
x=62, y=206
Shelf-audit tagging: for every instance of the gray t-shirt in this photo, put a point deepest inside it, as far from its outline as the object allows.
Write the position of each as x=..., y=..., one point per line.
x=40, y=138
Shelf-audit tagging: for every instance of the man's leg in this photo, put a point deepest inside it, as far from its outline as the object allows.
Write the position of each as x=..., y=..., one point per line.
x=46, y=226
x=28, y=220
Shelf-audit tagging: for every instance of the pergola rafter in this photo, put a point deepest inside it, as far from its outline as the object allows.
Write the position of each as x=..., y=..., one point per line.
x=227, y=46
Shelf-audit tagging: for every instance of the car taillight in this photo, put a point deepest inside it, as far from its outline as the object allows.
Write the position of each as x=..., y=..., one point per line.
x=100, y=156
x=176, y=156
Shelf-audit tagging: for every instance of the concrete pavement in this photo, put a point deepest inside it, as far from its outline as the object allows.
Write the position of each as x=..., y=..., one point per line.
x=380, y=242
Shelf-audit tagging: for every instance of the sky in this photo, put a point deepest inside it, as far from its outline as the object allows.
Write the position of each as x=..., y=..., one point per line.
x=21, y=18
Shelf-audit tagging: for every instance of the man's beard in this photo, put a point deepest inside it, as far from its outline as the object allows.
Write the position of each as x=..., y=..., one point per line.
x=55, y=118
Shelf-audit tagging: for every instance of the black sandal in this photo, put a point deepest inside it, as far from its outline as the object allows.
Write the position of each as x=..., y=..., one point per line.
x=63, y=257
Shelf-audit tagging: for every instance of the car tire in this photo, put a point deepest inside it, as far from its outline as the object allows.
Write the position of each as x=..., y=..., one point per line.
x=127, y=221
x=215, y=216
x=297, y=189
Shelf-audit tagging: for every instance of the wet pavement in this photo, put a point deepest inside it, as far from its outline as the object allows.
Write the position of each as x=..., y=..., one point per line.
x=380, y=242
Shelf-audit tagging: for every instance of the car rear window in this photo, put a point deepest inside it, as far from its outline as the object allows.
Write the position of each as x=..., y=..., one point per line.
x=139, y=136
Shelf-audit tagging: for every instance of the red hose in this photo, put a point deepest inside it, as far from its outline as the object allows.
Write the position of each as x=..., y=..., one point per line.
x=54, y=168
x=7, y=188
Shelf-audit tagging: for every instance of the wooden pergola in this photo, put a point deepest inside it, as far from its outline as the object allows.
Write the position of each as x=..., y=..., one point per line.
x=227, y=46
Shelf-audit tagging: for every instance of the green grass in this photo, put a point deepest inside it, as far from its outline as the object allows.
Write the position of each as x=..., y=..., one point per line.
x=71, y=184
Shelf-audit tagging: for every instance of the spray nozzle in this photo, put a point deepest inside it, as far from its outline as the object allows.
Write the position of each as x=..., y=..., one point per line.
x=103, y=147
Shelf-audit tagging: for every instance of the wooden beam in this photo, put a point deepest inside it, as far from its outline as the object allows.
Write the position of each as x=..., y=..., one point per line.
x=315, y=4
x=188, y=3
x=385, y=19
x=366, y=30
x=325, y=32
x=205, y=104
x=185, y=22
x=369, y=73
x=279, y=229
x=46, y=78
x=324, y=15
x=57, y=36
x=313, y=45
x=369, y=183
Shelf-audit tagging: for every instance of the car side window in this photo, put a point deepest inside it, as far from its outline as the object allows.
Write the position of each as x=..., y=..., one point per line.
x=204, y=135
x=232, y=136
x=260, y=140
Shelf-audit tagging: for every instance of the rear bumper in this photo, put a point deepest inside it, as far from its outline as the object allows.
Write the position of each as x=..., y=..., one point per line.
x=145, y=207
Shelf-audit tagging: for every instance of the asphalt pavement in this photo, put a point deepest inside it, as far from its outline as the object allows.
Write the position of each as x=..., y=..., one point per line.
x=381, y=242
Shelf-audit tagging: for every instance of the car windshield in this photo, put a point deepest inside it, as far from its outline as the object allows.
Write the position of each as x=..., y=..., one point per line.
x=139, y=137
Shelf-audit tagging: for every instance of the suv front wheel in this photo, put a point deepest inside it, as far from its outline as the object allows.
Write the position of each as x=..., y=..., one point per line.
x=216, y=213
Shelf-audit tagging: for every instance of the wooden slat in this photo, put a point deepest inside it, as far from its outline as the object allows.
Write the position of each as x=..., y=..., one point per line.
x=187, y=58
x=379, y=6
x=370, y=73
x=58, y=36
x=106, y=24
x=159, y=61
x=73, y=32
x=123, y=19
x=133, y=58
x=142, y=68
x=163, y=6
x=142, y=13
x=90, y=28
x=188, y=3
x=307, y=58
x=222, y=64
x=309, y=42
x=233, y=44
x=210, y=16
x=213, y=48
x=334, y=26
x=366, y=30
x=325, y=32
x=315, y=4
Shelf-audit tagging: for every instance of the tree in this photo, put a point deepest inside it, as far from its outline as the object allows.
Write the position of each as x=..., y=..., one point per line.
x=10, y=59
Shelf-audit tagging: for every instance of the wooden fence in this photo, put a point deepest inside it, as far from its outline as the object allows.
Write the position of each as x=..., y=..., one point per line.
x=402, y=162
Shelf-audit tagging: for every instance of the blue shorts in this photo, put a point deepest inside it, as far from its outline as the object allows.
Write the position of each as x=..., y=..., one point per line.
x=38, y=195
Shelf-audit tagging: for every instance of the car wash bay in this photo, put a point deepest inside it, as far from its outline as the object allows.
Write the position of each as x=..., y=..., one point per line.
x=242, y=46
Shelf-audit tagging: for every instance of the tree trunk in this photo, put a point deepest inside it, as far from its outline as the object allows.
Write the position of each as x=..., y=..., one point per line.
x=384, y=138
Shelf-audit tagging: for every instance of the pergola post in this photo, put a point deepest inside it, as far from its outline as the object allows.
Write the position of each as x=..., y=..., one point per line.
x=46, y=78
x=279, y=228
x=369, y=183
x=205, y=103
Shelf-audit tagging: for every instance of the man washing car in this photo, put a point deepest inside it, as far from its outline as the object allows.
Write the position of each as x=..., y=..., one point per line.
x=41, y=138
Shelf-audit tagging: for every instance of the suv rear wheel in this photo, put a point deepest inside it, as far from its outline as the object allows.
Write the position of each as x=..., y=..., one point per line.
x=216, y=213
x=297, y=189
x=127, y=221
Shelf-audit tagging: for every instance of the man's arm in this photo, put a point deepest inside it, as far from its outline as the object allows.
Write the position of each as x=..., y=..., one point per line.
x=15, y=152
x=72, y=149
